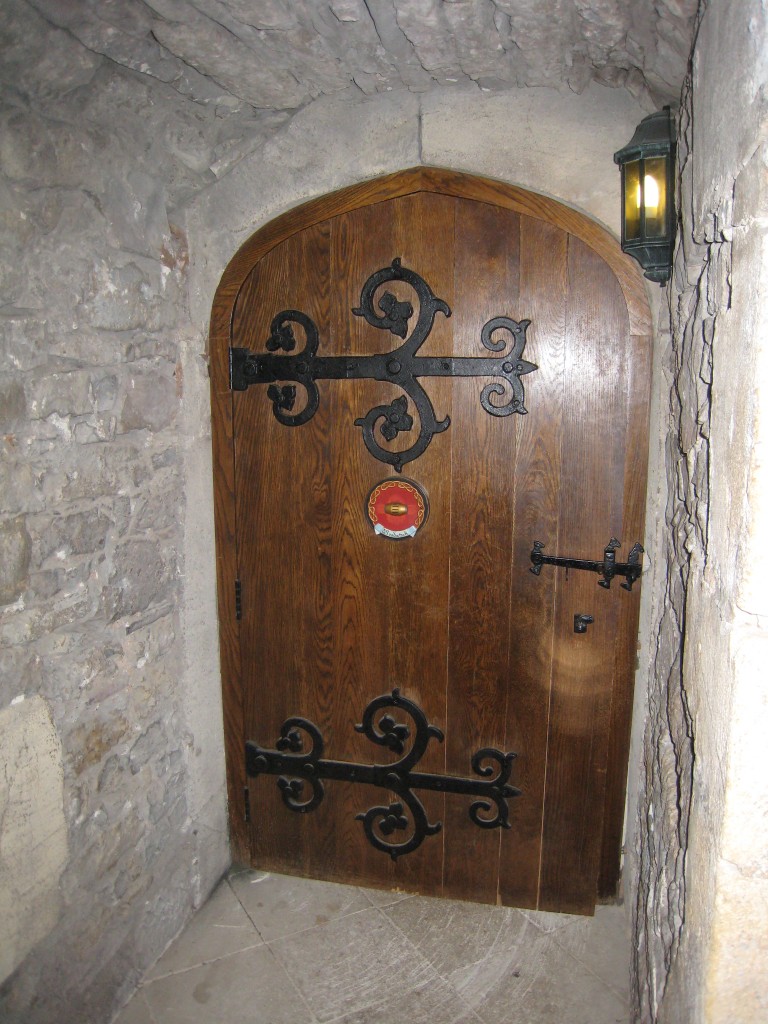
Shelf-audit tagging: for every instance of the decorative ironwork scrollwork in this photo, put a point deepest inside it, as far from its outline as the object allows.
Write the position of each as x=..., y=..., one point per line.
x=402, y=366
x=294, y=767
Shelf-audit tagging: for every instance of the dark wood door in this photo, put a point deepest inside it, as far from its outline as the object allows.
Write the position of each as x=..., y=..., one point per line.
x=333, y=615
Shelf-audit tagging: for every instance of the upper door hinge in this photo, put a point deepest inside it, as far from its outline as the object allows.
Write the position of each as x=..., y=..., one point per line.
x=238, y=600
x=402, y=367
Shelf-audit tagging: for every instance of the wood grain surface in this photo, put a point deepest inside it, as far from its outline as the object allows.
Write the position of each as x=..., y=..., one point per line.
x=334, y=615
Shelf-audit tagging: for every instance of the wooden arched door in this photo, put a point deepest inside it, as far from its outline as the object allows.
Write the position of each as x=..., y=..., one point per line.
x=321, y=614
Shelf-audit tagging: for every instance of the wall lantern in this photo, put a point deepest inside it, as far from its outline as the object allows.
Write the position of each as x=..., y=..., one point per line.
x=647, y=189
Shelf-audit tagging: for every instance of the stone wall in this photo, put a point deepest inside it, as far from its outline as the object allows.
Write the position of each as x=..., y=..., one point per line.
x=702, y=850
x=106, y=844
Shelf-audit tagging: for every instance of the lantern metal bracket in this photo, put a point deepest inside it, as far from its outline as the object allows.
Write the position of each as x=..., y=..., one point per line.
x=402, y=366
x=296, y=768
x=608, y=567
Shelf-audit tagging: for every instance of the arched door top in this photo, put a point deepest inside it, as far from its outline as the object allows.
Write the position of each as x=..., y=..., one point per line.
x=443, y=182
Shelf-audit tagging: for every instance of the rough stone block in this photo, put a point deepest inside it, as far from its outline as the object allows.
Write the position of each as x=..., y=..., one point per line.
x=22, y=339
x=18, y=487
x=78, y=533
x=27, y=625
x=119, y=298
x=161, y=510
x=13, y=403
x=147, y=745
x=33, y=832
x=141, y=574
x=83, y=474
x=15, y=552
x=104, y=392
x=150, y=402
x=161, y=460
x=134, y=204
x=90, y=742
x=95, y=429
x=63, y=394
x=19, y=673
x=41, y=60
x=44, y=585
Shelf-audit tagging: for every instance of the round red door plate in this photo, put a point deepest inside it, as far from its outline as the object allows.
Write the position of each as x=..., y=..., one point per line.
x=397, y=508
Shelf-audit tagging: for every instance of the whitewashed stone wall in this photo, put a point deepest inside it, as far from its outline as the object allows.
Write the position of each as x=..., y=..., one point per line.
x=702, y=856
x=94, y=333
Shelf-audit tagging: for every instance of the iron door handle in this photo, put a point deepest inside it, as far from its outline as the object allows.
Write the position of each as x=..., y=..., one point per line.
x=608, y=568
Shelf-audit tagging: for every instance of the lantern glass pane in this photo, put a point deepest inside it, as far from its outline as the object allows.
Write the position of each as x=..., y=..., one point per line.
x=632, y=200
x=655, y=196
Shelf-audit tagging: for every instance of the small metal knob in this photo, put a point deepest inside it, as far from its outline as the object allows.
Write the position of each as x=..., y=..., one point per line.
x=580, y=622
x=395, y=508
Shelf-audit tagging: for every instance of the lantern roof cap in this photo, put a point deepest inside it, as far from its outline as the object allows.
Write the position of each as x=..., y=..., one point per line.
x=653, y=137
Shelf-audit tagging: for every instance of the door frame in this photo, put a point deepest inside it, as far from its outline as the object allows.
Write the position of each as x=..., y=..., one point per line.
x=402, y=183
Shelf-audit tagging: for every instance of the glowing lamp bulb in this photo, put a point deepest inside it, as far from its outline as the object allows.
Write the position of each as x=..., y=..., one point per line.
x=651, y=194
x=651, y=188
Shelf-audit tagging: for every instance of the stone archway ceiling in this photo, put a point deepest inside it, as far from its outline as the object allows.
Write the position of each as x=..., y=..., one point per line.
x=280, y=54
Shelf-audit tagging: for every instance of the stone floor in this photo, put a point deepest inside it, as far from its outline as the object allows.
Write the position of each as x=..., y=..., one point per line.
x=267, y=949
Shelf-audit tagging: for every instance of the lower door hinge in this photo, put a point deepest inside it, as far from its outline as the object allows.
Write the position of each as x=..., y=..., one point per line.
x=246, y=804
x=238, y=600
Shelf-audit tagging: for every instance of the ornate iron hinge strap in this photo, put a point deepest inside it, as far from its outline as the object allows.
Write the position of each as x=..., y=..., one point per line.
x=401, y=366
x=295, y=768
x=632, y=570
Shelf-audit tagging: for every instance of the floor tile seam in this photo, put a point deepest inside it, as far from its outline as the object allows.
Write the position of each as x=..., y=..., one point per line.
x=244, y=908
x=313, y=1018
x=606, y=984
x=138, y=994
x=379, y=906
x=547, y=931
x=203, y=963
x=301, y=931
x=312, y=927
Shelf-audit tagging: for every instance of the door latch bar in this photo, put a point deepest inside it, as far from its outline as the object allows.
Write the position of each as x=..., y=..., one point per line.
x=295, y=768
x=608, y=567
x=402, y=366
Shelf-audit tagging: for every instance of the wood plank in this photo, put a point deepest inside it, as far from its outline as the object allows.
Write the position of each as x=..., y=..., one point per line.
x=361, y=243
x=283, y=483
x=537, y=474
x=482, y=523
x=423, y=235
x=590, y=512
x=625, y=647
